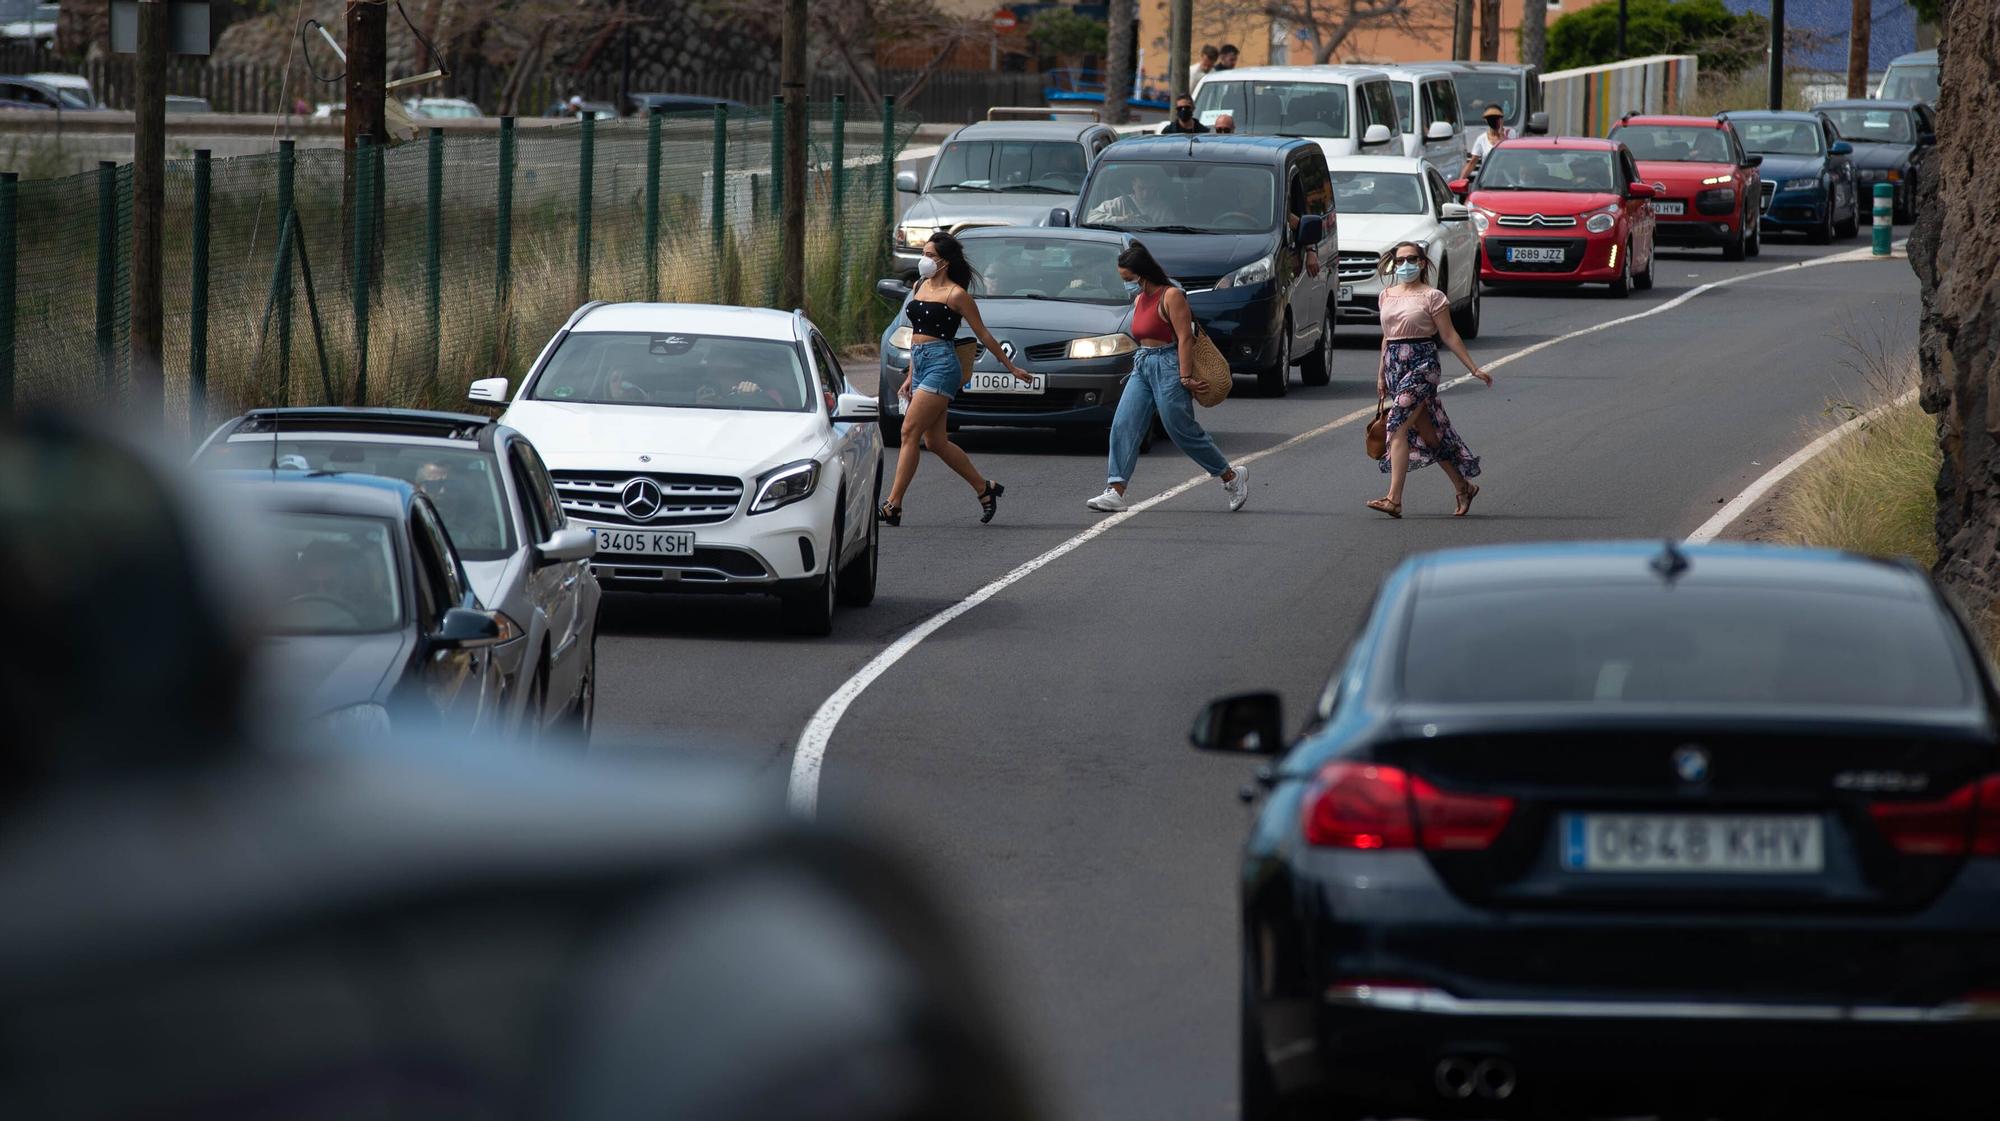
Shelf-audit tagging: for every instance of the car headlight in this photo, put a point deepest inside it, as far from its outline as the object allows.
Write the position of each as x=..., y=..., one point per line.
x=354, y=722
x=1799, y=184
x=1256, y=272
x=1893, y=175
x=912, y=237
x=899, y=339
x=1715, y=180
x=1102, y=346
x=1480, y=221
x=1599, y=223
x=782, y=486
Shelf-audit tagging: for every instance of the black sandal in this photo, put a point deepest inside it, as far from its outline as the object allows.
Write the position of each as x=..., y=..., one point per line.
x=989, y=500
x=889, y=514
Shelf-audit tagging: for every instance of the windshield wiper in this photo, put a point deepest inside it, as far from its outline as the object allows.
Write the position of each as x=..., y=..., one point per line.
x=1038, y=189
x=1100, y=226
x=1170, y=230
x=964, y=187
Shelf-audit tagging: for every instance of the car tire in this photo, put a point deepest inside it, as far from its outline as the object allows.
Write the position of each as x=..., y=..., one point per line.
x=1466, y=321
x=857, y=581
x=1643, y=281
x=582, y=715
x=1739, y=247
x=1317, y=369
x=1848, y=229
x=809, y=611
x=1822, y=234
x=1276, y=380
x=1256, y=1092
x=1622, y=287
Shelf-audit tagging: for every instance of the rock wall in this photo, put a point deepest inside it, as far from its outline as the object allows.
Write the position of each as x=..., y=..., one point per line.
x=1956, y=253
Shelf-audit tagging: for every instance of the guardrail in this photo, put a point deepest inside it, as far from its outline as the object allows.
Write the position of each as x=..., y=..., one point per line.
x=1587, y=101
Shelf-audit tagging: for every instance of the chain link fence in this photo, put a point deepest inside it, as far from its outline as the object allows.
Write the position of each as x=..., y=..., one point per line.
x=396, y=276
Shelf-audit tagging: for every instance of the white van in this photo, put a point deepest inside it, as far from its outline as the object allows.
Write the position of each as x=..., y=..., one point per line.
x=1348, y=110
x=1427, y=117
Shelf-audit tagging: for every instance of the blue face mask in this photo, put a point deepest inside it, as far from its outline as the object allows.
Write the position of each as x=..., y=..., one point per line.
x=1133, y=288
x=1408, y=273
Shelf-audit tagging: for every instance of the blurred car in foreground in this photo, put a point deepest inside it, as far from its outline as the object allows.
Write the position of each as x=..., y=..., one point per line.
x=1623, y=829
x=1891, y=141
x=521, y=554
x=1807, y=175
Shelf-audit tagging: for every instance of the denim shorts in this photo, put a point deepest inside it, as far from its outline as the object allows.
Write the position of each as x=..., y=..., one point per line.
x=934, y=366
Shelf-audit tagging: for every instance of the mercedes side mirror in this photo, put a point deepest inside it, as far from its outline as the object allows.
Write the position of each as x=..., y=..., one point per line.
x=856, y=408
x=1245, y=724
x=1840, y=148
x=1538, y=124
x=1312, y=229
x=906, y=182
x=1376, y=134
x=1059, y=218
x=1454, y=212
x=488, y=391
x=1640, y=190
x=565, y=545
x=1753, y=160
x=1440, y=130
x=463, y=628
x=893, y=290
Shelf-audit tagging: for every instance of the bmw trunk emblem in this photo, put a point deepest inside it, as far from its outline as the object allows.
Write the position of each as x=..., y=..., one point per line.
x=1691, y=763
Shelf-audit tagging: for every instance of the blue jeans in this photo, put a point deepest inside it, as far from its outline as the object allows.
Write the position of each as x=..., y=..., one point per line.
x=1156, y=383
x=935, y=366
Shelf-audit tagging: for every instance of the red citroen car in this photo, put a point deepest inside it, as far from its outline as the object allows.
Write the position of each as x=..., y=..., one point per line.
x=1709, y=190
x=1562, y=210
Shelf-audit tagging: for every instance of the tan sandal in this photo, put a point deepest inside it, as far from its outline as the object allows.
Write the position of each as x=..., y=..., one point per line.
x=1465, y=498
x=1383, y=505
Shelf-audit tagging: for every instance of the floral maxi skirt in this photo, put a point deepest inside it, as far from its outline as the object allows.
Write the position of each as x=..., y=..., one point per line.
x=1413, y=375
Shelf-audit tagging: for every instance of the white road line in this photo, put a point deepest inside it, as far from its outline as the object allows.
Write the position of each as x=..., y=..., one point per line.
x=809, y=757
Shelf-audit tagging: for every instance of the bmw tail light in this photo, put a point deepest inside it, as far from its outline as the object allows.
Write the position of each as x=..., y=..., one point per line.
x=1367, y=806
x=1965, y=821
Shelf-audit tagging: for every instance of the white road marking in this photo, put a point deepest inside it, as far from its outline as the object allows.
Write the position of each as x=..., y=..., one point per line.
x=809, y=757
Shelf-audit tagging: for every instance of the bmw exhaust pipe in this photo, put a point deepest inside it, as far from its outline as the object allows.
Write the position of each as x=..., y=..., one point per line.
x=1454, y=1079
x=1494, y=1079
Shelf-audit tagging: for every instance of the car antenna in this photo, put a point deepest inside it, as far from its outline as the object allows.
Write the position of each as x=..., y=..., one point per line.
x=1671, y=562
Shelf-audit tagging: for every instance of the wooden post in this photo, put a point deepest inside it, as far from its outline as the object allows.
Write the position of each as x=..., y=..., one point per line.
x=1860, y=29
x=149, y=175
x=367, y=71
x=792, y=81
x=1180, y=41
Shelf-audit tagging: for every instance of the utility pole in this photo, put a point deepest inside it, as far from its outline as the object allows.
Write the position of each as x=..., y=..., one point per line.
x=1489, y=30
x=1118, y=63
x=149, y=181
x=1623, y=19
x=792, y=83
x=1860, y=29
x=367, y=71
x=1777, y=64
x=1180, y=39
x=1461, y=30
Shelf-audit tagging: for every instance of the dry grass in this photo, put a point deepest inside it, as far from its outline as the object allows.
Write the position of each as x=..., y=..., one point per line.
x=1748, y=90
x=1873, y=492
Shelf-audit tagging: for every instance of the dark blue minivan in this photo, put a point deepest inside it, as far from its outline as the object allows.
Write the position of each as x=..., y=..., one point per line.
x=1231, y=219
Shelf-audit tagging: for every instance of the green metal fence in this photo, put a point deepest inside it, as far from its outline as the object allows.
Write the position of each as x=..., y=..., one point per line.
x=396, y=276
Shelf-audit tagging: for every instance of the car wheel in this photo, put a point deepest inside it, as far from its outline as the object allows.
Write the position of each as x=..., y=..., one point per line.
x=892, y=426
x=1466, y=321
x=1755, y=235
x=1275, y=380
x=535, y=709
x=1643, y=281
x=1738, y=247
x=1851, y=225
x=809, y=611
x=857, y=583
x=583, y=711
x=1822, y=234
x=1622, y=287
x=1317, y=369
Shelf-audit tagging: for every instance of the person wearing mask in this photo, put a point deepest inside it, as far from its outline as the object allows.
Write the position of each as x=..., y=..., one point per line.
x=1202, y=66
x=1415, y=316
x=1485, y=142
x=1225, y=125
x=1161, y=381
x=1225, y=59
x=1183, y=119
x=943, y=298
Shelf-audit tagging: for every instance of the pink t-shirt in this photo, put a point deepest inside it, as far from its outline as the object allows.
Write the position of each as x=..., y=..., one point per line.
x=1406, y=313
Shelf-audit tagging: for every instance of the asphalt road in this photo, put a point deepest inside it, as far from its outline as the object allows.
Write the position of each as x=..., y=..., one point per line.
x=1030, y=755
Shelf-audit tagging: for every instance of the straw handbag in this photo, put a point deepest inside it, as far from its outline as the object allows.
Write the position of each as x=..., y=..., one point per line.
x=967, y=350
x=1210, y=368
x=1378, y=430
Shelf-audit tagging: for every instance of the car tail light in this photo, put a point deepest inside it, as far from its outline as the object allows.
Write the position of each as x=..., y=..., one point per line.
x=1965, y=821
x=1366, y=806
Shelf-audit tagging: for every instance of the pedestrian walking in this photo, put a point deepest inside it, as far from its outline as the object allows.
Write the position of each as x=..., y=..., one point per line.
x=1202, y=66
x=942, y=300
x=1183, y=119
x=1415, y=316
x=1485, y=142
x=1161, y=380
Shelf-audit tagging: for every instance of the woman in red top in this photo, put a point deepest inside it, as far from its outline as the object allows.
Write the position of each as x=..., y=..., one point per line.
x=1414, y=317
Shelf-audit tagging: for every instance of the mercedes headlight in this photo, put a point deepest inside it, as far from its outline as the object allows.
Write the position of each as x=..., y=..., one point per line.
x=1256, y=272
x=1480, y=220
x=913, y=237
x=1799, y=184
x=354, y=722
x=899, y=339
x=782, y=486
x=1102, y=346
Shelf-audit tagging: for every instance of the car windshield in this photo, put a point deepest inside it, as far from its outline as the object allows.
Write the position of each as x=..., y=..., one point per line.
x=1511, y=168
x=1405, y=112
x=1476, y=91
x=1377, y=192
x=1697, y=645
x=1917, y=81
x=334, y=575
x=1181, y=197
x=1878, y=126
x=1674, y=143
x=464, y=483
x=1032, y=166
x=449, y=110
x=1040, y=268
x=674, y=370
x=1779, y=138
x=1276, y=108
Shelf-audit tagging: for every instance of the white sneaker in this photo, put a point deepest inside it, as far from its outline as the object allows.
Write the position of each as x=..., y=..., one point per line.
x=1110, y=502
x=1238, y=488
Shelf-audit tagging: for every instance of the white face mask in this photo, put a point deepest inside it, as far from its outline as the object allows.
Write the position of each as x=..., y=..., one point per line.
x=927, y=267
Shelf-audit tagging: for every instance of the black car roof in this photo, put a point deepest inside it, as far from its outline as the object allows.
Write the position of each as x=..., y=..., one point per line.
x=1049, y=233
x=426, y=423
x=1604, y=564
x=1211, y=148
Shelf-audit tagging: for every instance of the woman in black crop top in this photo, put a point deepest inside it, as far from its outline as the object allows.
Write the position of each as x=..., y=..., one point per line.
x=936, y=308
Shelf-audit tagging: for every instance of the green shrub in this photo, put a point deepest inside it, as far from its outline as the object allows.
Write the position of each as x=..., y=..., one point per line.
x=1726, y=42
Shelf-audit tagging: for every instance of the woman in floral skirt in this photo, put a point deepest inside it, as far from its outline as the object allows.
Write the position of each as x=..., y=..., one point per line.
x=1415, y=316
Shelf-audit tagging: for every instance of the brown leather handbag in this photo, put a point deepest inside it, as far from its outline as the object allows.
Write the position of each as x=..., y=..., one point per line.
x=1378, y=430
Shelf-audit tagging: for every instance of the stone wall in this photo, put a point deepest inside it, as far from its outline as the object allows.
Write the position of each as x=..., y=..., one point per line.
x=1956, y=253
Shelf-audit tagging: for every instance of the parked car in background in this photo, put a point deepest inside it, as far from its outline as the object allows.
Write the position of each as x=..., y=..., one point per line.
x=1234, y=221
x=376, y=627
x=1427, y=116
x=1911, y=77
x=1707, y=190
x=443, y=109
x=1891, y=141
x=1562, y=210
x=710, y=449
x=597, y=110
x=1054, y=300
x=1515, y=88
x=27, y=93
x=74, y=89
x=1001, y=172
x=521, y=555
x=179, y=104
x=1619, y=830
x=1807, y=176
x=1383, y=200
x=1346, y=110
x=643, y=103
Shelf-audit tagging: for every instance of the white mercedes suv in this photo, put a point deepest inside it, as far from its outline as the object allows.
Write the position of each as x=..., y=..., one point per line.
x=710, y=449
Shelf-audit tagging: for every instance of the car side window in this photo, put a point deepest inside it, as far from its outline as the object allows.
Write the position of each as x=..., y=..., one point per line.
x=1440, y=191
x=831, y=378
x=540, y=524
x=434, y=555
x=1317, y=185
x=542, y=489
x=1381, y=105
x=1441, y=105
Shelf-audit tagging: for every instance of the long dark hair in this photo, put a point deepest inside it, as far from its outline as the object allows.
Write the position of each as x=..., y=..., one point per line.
x=1387, y=264
x=956, y=268
x=1138, y=259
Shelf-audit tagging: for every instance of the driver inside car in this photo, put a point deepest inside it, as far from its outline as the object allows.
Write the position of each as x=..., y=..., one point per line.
x=1143, y=203
x=730, y=384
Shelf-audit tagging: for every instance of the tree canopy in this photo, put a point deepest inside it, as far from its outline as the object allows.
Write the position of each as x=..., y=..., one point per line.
x=1062, y=33
x=1726, y=42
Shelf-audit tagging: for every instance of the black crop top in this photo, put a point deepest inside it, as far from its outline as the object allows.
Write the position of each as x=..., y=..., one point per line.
x=934, y=318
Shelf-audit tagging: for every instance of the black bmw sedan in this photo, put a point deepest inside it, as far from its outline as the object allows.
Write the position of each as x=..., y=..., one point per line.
x=1627, y=829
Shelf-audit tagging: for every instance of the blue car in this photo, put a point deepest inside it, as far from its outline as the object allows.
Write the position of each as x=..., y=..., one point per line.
x=1808, y=174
